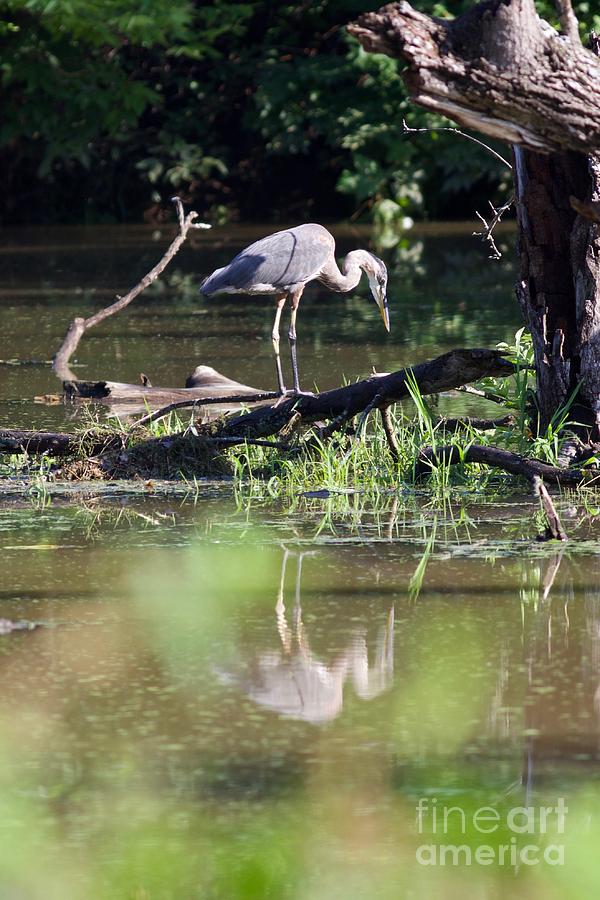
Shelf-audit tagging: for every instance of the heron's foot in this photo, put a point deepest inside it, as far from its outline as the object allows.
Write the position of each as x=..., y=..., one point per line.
x=298, y=393
x=290, y=395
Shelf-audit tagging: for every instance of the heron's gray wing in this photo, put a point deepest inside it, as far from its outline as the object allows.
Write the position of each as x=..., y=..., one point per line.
x=276, y=262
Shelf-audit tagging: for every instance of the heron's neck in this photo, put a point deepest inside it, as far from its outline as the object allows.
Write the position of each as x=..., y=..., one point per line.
x=352, y=272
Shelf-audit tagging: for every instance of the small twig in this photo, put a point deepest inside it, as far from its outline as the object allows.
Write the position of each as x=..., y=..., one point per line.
x=487, y=235
x=79, y=326
x=485, y=395
x=365, y=413
x=408, y=130
x=201, y=401
x=497, y=213
x=554, y=529
x=388, y=427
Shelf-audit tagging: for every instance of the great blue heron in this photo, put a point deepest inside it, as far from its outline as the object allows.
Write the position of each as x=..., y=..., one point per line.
x=283, y=264
x=290, y=679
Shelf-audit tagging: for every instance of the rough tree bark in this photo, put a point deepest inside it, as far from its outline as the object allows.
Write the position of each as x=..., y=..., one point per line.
x=502, y=70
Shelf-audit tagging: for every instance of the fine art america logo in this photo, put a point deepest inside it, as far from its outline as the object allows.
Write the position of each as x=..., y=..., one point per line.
x=524, y=831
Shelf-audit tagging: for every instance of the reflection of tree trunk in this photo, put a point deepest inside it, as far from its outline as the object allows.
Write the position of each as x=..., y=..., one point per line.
x=500, y=69
x=561, y=658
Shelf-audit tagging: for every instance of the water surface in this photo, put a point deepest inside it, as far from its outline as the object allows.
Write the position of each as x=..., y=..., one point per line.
x=218, y=694
x=443, y=293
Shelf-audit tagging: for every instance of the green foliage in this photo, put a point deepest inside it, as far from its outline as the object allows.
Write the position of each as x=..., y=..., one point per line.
x=263, y=109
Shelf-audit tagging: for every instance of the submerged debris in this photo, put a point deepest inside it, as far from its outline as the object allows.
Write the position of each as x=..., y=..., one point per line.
x=7, y=626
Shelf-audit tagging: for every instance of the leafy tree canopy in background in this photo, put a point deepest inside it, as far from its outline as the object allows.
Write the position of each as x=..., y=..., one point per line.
x=259, y=110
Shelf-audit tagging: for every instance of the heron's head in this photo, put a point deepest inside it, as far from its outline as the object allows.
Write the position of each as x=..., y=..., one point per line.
x=377, y=275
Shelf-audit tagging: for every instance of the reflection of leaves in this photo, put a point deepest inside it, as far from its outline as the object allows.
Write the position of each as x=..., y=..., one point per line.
x=416, y=582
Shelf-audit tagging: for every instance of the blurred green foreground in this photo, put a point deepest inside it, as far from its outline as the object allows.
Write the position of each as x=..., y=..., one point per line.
x=222, y=708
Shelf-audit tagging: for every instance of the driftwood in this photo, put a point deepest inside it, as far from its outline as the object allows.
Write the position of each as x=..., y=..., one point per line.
x=79, y=326
x=204, y=388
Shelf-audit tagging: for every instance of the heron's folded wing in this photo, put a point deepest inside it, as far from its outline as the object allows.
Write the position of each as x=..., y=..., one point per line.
x=275, y=262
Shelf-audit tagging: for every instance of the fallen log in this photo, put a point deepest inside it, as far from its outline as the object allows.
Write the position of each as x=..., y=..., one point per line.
x=16, y=441
x=506, y=460
x=444, y=373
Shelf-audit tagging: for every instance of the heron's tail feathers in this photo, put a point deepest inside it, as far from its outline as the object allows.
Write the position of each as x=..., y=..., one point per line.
x=211, y=284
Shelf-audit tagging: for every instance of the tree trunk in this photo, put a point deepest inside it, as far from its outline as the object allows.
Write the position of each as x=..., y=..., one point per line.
x=502, y=70
x=559, y=286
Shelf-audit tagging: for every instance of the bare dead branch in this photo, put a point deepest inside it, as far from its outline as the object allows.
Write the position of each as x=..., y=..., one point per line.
x=445, y=372
x=324, y=432
x=232, y=441
x=487, y=234
x=476, y=423
x=79, y=325
x=373, y=404
x=554, y=529
x=408, y=130
x=485, y=395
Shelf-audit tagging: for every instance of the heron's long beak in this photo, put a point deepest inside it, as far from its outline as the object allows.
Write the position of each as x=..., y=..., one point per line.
x=383, y=309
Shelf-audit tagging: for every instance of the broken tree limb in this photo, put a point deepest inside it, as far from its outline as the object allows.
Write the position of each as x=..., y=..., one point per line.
x=79, y=325
x=451, y=370
x=554, y=529
x=510, y=462
x=498, y=68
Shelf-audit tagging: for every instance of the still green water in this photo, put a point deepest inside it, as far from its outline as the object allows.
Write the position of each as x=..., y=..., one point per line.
x=232, y=696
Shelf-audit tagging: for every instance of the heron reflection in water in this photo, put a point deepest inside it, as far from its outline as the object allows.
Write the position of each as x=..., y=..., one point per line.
x=293, y=682
x=283, y=263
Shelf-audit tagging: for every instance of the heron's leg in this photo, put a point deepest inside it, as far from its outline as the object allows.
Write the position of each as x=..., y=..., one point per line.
x=281, y=298
x=295, y=298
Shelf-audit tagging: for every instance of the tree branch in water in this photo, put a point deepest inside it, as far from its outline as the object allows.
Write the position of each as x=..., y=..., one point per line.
x=79, y=326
